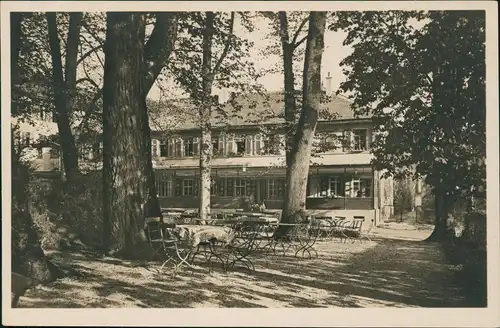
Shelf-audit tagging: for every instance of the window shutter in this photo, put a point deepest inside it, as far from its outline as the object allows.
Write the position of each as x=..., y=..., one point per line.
x=196, y=145
x=221, y=145
x=230, y=144
x=230, y=187
x=178, y=187
x=347, y=144
x=196, y=187
x=248, y=145
x=170, y=147
x=155, y=147
x=252, y=188
x=257, y=144
x=178, y=147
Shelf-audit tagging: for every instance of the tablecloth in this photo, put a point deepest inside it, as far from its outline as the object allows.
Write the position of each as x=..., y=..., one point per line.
x=192, y=235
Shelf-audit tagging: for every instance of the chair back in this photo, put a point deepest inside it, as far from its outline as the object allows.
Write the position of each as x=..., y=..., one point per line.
x=153, y=228
x=358, y=222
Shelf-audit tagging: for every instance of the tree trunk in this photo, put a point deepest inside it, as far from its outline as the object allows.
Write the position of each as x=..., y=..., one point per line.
x=125, y=139
x=61, y=91
x=294, y=207
x=289, y=82
x=441, y=215
x=156, y=54
x=205, y=116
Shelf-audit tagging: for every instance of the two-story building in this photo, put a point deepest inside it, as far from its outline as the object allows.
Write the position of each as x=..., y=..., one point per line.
x=249, y=160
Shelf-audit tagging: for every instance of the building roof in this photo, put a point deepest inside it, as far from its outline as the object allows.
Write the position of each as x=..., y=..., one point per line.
x=254, y=109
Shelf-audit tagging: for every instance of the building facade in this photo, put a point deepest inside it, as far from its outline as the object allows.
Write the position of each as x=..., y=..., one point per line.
x=249, y=162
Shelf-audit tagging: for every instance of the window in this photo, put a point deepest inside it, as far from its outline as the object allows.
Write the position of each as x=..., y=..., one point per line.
x=276, y=188
x=54, y=153
x=271, y=145
x=154, y=147
x=240, y=145
x=188, y=187
x=215, y=146
x=359, y=139
x=335, y=189
x=39, y=154
x=190, y=146
x=163, y=185
x=240, y=187
x=362, y=187
x=165, y=148
x=333, y=141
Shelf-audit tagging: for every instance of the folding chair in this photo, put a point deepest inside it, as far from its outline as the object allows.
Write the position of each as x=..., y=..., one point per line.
x=157, y=240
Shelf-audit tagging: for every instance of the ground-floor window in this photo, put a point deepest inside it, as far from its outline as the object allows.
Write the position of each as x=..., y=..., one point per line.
x=163, y=185
x=240, y=186
x=188, y=187
x=339, y=187
x=275, y=188
x=362, y=188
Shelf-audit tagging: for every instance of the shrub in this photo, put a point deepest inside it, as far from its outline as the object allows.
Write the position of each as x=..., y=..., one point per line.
x=65, y=213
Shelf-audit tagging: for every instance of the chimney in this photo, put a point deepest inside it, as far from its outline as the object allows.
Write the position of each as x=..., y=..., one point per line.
x=328, y=84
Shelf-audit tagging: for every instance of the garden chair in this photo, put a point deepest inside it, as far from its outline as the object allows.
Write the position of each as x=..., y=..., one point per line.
x=160, y=244
x=354, y=231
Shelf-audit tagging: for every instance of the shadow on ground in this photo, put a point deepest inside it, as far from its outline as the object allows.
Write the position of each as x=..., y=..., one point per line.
x=386, y=272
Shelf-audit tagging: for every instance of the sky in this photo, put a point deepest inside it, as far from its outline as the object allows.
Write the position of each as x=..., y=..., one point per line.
x=333, y=54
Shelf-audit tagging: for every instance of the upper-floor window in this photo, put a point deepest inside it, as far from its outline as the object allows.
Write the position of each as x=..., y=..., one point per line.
x=359, y=139
x=54, y=153
x=190, y=146
x=241, y=145
x=271, y=145
x=215, y=145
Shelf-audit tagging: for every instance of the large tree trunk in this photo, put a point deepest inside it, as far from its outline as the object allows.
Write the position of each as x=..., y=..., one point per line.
x=61, y=91
x=125, y=139
x=294, y=206
x=205, y=116
x=443, y=205
x=289, y=82
x=156, y=54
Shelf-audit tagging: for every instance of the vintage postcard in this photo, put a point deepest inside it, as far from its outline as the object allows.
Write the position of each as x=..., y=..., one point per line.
x=250, y=163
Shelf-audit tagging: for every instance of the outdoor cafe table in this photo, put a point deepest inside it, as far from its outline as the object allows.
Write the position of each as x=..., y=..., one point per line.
x=192, y=237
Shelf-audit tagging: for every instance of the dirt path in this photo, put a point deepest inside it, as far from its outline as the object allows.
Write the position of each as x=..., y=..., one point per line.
x=391, y=270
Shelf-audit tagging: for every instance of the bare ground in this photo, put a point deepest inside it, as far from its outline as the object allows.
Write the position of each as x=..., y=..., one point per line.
x=395, y=269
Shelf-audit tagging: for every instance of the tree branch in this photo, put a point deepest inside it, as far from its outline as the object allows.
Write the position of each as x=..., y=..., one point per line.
x=88, y=53
x=300, y=42
x=296, y=35
x=159, y=47
x=226, y=47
